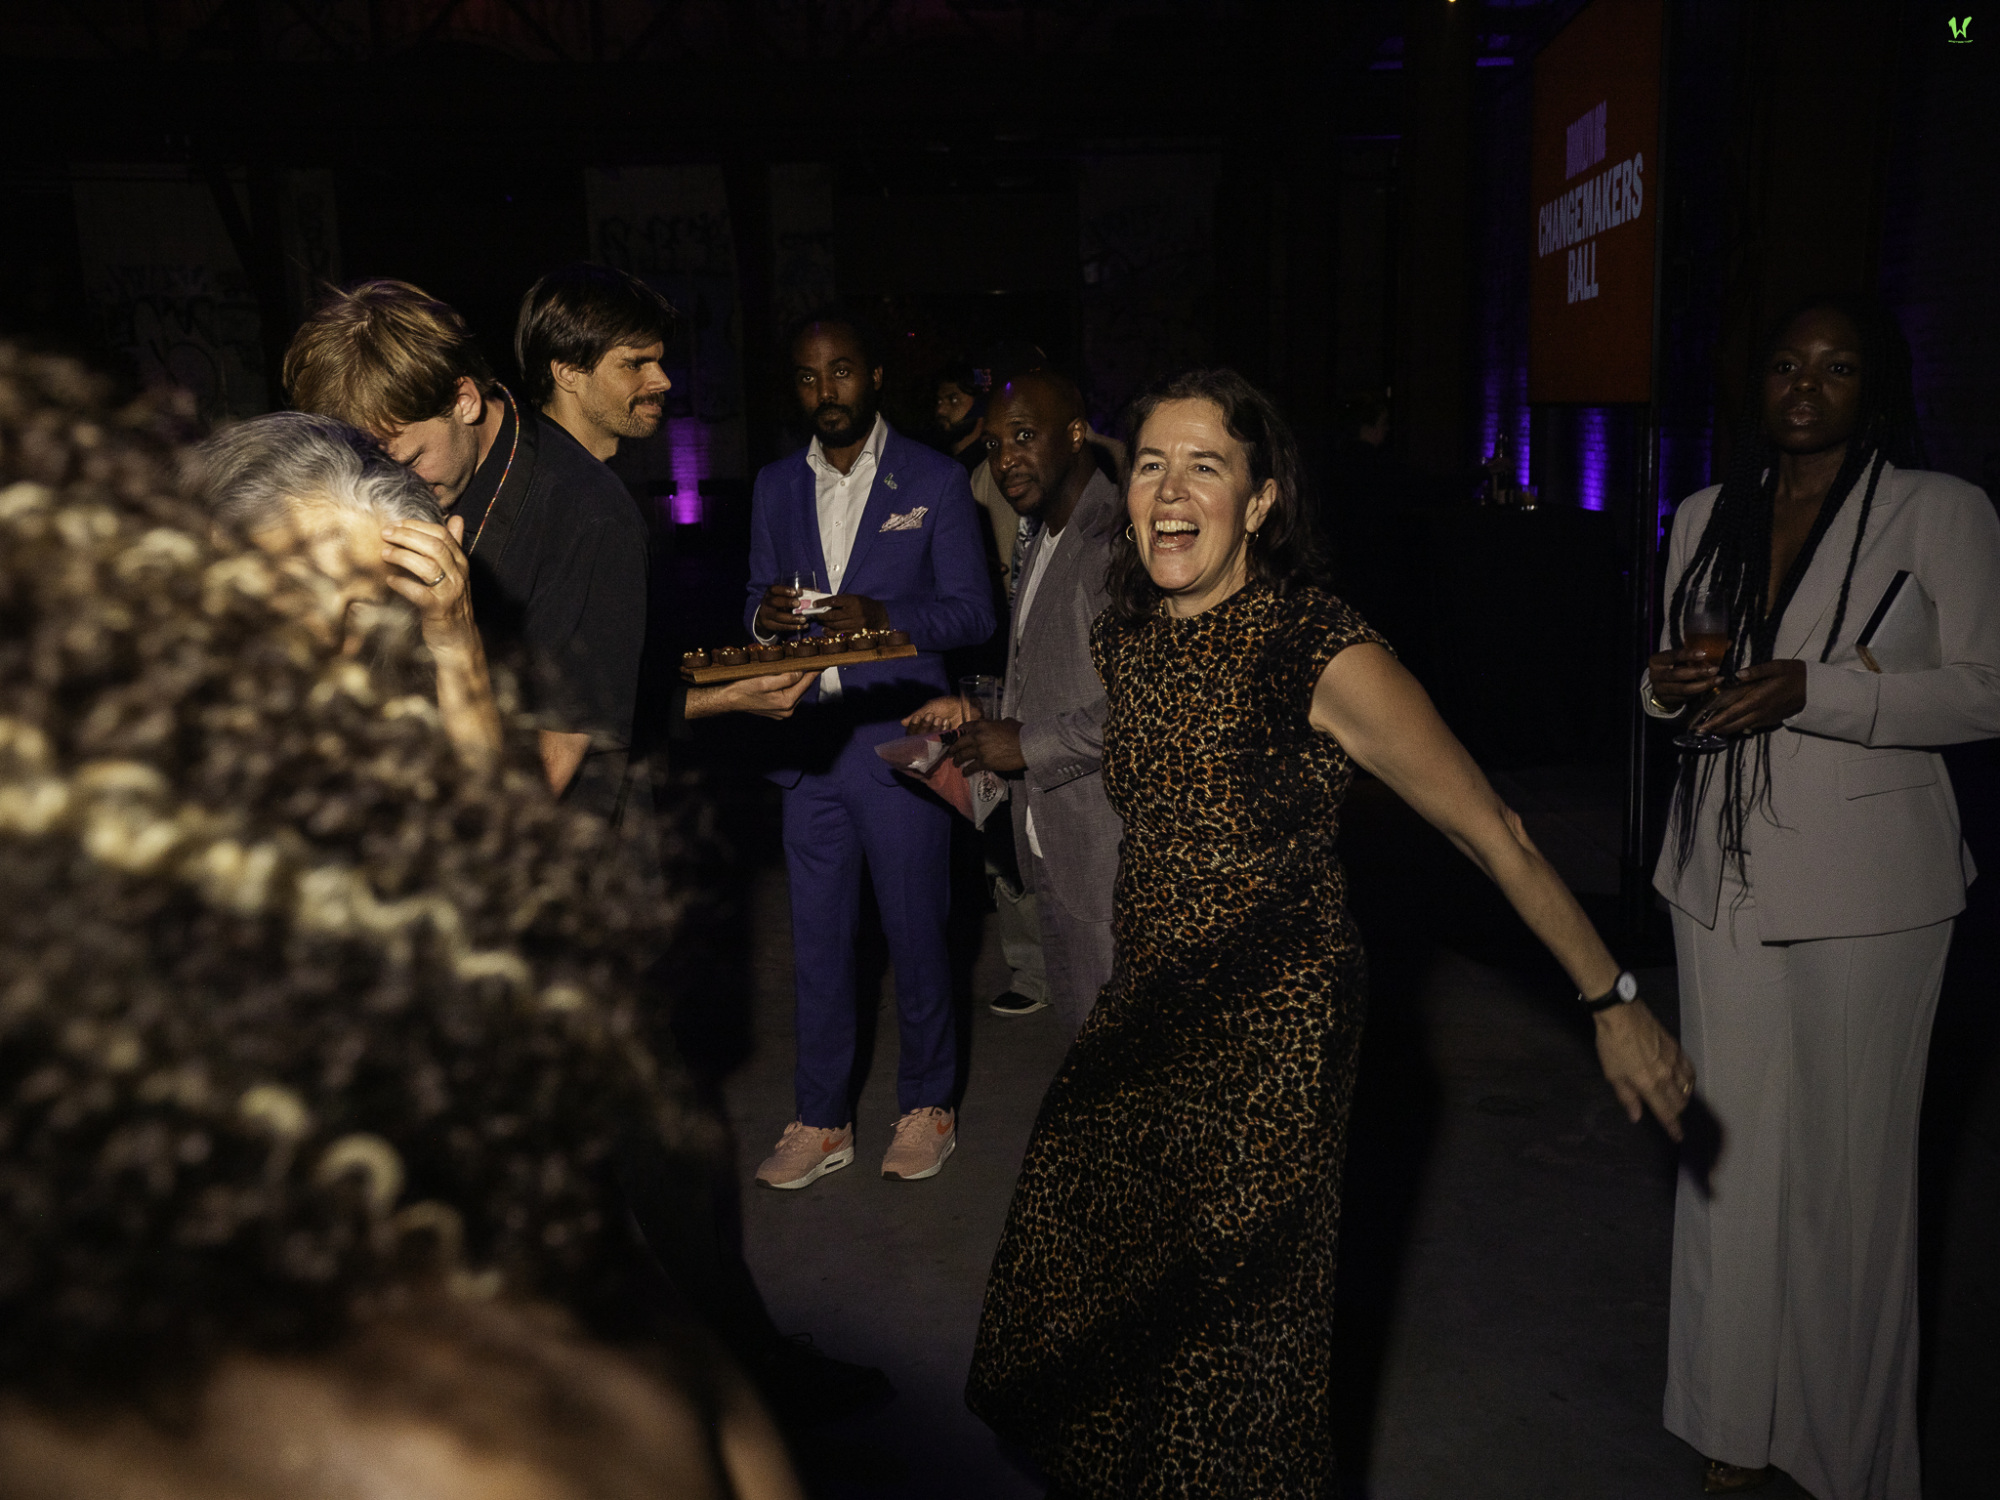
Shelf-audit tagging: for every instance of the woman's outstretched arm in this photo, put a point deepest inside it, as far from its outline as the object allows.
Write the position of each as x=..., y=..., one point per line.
x=1384, y=719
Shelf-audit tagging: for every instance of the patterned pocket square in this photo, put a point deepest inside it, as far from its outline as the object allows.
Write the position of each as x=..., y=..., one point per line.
x=909, y=520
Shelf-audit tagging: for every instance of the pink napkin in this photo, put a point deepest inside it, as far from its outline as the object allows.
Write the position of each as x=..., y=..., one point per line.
x=921, y=757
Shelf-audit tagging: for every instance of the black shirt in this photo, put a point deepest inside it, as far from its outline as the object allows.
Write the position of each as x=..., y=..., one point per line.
x=559, y=572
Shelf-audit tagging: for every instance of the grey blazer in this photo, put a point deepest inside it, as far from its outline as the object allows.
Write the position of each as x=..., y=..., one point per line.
x=1862, y=834
x=1053, y=689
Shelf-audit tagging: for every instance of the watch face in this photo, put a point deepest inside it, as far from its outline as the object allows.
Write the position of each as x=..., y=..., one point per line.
x=1627, y=987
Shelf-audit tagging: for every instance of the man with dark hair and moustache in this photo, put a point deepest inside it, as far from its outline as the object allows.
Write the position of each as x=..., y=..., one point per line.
x=590, y=341
x=888, y=529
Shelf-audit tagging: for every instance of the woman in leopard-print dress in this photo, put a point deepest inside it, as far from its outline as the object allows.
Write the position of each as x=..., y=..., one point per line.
x=1159, y=1317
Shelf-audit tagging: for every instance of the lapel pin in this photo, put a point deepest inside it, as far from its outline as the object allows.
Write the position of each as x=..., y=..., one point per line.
x=889, y=480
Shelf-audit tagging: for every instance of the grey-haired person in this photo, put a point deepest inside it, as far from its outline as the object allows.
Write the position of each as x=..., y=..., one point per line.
x=361, y=530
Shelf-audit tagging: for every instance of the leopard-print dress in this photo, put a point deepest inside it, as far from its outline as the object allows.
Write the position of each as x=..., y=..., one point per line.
x=1159, y=1317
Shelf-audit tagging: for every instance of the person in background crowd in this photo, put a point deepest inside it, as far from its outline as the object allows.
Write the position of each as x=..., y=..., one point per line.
x=1814, y=868
x=889, y=527
x=1020, y=932
x=1010, y=360
x=1050, y=739
x=961, y=410
x=317, y=1052
x=325, y=498
x=1159, y=1319
x=1009, y=530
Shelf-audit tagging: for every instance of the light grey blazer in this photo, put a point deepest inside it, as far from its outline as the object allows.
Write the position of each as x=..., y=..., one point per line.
x=1053, y=689
x=1862, y=834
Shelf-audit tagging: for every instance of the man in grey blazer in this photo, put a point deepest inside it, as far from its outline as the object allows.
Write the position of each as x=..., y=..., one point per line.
x=1049, y=740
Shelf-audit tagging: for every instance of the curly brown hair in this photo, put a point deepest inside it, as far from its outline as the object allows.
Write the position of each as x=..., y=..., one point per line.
x=292, y=1010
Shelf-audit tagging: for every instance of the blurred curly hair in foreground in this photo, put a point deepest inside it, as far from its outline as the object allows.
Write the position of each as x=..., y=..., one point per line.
x=294, y=1013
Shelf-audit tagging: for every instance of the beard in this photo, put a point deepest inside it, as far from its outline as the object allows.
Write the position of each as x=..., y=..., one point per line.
x=840, y=426
x=636, y=419
x=960, y=430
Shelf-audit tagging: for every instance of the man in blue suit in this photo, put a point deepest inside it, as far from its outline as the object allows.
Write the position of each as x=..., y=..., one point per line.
x=889, y=530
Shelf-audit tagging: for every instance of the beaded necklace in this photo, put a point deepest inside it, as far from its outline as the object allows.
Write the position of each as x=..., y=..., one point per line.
x=512, y=448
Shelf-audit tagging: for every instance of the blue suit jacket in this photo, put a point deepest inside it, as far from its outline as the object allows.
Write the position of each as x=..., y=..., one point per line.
x=931, y=576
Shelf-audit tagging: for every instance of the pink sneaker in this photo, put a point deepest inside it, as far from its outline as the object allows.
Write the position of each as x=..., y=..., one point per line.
x=805, y=1154
x=924, y=1138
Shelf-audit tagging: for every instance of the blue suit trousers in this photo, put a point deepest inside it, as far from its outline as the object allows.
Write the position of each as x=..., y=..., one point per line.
x=835, y=821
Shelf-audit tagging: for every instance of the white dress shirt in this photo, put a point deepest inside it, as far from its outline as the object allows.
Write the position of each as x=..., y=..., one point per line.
x=840, y=499
x=1029, y=586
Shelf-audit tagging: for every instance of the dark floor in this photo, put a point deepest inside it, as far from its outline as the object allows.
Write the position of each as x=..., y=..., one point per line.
x=1504, y=1261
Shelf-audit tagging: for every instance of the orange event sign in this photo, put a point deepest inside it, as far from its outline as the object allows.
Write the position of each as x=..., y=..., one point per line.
x=1595, y=176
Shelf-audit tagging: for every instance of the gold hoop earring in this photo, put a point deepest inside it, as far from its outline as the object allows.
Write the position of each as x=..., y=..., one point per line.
x=1128, y=533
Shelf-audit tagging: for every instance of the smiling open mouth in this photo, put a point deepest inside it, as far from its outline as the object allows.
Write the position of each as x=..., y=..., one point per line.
x=1174, y=535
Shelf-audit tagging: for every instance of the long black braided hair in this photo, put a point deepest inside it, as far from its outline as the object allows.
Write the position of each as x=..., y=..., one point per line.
x=1733, y=554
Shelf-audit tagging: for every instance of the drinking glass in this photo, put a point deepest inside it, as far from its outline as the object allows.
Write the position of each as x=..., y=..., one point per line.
x=1705, y=630
x=980, y=696
x=806, y=581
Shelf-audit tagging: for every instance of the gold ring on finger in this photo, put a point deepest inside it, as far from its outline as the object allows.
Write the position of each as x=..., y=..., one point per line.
x=435, y=581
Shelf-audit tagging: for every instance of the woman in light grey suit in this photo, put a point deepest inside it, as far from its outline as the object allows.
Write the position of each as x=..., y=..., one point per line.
x=1815, y=868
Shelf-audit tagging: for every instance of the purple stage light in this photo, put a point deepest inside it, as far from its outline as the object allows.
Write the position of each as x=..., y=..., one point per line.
x=687, y=442
x=1593, y=456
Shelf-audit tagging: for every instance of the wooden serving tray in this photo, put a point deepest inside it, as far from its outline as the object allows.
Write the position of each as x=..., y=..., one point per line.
x=704, y=676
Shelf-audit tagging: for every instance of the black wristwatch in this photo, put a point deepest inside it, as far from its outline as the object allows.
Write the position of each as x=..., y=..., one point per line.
x=1624, y=990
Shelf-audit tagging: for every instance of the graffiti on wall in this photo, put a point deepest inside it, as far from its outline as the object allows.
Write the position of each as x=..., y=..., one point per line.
x=196, y=327
x=166, y=288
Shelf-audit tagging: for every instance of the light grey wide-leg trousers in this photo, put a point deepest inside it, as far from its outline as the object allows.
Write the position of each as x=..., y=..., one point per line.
x=1020, y=927
x=1077, y=951
x=1793, y=1332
